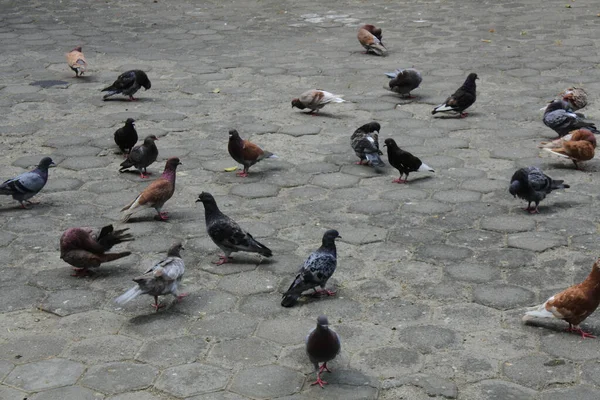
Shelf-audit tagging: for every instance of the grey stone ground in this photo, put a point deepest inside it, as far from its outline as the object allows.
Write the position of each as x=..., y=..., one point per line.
x=432, y=277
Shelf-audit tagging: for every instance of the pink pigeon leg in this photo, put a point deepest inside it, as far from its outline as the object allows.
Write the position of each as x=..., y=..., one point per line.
x=181, y=296
x=323, y=292
x=80, y=272
x=399, y=180
x=131, y=98
x=156, y=305
x=464, y=115
x=162, y=216
x=223, y=259
x=319, y=381
x=324, y=367
x=580, y=331
x=243, y=174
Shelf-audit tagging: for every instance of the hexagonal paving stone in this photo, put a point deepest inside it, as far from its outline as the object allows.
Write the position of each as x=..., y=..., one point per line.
x=30, y=348
x=267, y=382
x=433, y=385
x=224, y=325
x=568, y=345
x=8, y=393
x=119, y=377
x=285, y=330
x=66, y=302
x=45, y=374
x=580, y=392
x=69, y=392
x=537, y=371
x=536, y=241
x=502, y=296
x=91, y=323
x=254, y=190
x=386, y=361
x=497, y=390
x=173, y=351
x=429, y=338
x=104, y=349
x=191, y=379
x=245, y=351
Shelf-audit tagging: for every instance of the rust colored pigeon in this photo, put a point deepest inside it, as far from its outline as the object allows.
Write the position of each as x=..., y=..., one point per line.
x=141, y=156
x=322, y=345
x=579, y=145
x=86, y=248
x=245, y=152
x=156, y=194
x=315, y=99
x=463, y=98
x=369, y=37
x=573, y=304
x=76, y=61
x=127, y=84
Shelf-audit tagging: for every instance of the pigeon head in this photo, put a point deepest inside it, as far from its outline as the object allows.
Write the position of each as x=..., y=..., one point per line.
x=206, y=197
x=374, y=127
x=174, y=251
x=129, y=121
x=514, y=188
x=298, y=103
x=149, y=140
x=46, y=163
x=472, y=76
x=391, y=143
x=172, y=163
x=329, y=238
x=322, y=322
x=143, y=80
x=233, y=134
x=373, y=29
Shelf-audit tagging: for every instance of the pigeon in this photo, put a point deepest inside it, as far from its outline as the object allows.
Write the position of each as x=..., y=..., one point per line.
x=141, y=156
x=156, y=194
x=245, y=152
x=316, y=99
x=127, y=84
x=365, y=143
x=575, y=97
x=162, y=278
x=403, y=161
x=226, y=233
x=573, y=304
x=533, y=185
x=404, y=81
x=322, y=345
x=369, y=37
x=316, y=271
x=558, y=118
x=126, y=137
x=76, y=61
x=86, y=247
x=463, y=98
x=579, y=145
x=28, y=184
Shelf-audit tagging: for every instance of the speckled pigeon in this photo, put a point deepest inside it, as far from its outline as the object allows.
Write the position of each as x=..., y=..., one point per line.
x=532, y=185
x=161, y=279
x=85, y=248
x=463, y=98
x=126, y=137
x=404, y=161
x=141, y=156
x=576, y=97
x=316, y=271
x=128, y=83
x=365, y=143
x=28, y=184
x=558, y=118
x=226, y=233
x=404, y=81
x=76, y=61
x=245, y=152
x=315, y=99
x=322, y=345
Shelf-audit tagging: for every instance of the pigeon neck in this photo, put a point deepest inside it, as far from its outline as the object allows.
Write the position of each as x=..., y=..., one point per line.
x=174, y=253
x=329, y=245
x=169, y=174
x=469, y=85
x=211, y=209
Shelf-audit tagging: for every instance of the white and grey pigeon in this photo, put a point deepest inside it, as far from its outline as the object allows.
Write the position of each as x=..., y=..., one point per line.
x=404, y=81
x=226, y=233
x=532, y=185
x=28, y=184
x=322, y=345
x=316, y=271
x=558, y=118
x=161, y=279
x=365, y=143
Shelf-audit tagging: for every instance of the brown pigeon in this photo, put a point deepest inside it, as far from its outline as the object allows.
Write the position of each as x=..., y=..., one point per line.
x=322, y=345
x=315, y=99
x=579, y=145
x=156, y=194
x=86, y=247
x=576, y=97
x=245, y=152
x=76, y=61
x=369, y=37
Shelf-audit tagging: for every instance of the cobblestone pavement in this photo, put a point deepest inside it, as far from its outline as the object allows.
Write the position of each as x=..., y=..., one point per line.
x=432, y=277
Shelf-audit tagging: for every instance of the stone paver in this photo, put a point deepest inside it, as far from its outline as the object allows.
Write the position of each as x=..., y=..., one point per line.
x=433, y=276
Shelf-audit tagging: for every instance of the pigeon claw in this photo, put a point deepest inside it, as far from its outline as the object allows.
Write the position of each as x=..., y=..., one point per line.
x=163, y=216
x=181, y=296
x=223, y=259
x=399, y=180
x=242, y=174
x=319, y=382
x=324, y=292
x=131, y=98
x=80, y=272
x=144, y=176
x=464, y=115
x=580, y=331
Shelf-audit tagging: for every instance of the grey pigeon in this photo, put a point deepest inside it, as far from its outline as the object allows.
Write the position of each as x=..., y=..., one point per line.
x=141, y=156
x=126, y=137
x=226, y=233
x=86, y=247
x=533, y=185
x=322, y=345
x=127, y=84
x=28, y=184
x=316, y=271
x=463, y=98
x=558, y=118
x=161, y=279
x=365, y=143
x=404, y=81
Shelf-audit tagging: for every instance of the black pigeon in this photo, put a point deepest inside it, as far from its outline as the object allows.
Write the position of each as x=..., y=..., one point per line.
x=365, y=143
x=28, y=184
x=226, y=233
x=126, y=137
x=322, y=345
x=403, y=161
x=404, y=81
x=316, y=271
x=559, y=118
x=462, y=99
x=128, y=83
x=533, y=185
x=141, y=156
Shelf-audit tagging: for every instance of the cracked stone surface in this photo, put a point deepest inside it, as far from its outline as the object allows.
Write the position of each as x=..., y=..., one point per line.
x=433, y=276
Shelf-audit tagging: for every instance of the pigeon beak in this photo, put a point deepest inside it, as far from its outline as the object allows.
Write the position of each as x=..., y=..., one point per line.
x=52, y=165
x=384, y=145
x=339, y=237
x=198, y=200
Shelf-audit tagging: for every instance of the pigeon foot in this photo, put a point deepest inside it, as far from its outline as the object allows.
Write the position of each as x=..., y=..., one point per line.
x=181, y=296
x=223, y=259
x=580, y=331
x=242, y=174
x=131, y=98
x=464, y=115
x=532, y=210
x=323, y=292
x=399, y=180
x=319, y=381
x=80, y=272
x=162, y=216
x=324, y=368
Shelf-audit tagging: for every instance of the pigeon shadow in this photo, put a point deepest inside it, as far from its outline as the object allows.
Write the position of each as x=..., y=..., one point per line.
x=84, y=79
x=456, y=116
x=126, y=100
x=322, y=115
x=559, y=328
x=31, y=207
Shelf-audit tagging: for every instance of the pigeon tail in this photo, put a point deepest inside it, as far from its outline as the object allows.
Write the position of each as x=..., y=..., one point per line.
x=289, y=299
x=559, y=185
x=129, y=295
x=114, y=256
x=260, y=248
x=442, y=108
x=553, y=151
x=424, y=168
x=374, y=159
x=378, y=49
x=268, y=154
x=392, y=75
x=338, y=99
x=537, y=311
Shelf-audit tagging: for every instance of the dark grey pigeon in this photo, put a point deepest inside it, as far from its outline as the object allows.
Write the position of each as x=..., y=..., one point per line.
x=141, y=156
x=463, y=98
x=126, y=137
x=322, y=345
x=558, y=118
x=404, y=161
x=533, y=185
x=226, y=233
x=161, y=279
x=404, y=81
x=365, y=143
x=316, y=271
x=28, y=184
x=128, y=83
